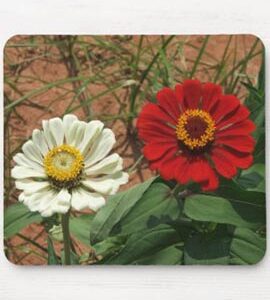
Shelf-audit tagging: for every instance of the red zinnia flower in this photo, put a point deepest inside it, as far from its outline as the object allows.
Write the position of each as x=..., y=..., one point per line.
x=195, y=133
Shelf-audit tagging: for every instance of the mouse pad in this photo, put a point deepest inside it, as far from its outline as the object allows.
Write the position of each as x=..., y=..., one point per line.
x=134, y=150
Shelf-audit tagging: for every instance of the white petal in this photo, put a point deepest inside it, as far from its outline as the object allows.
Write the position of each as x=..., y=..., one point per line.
x=21, y=197
x=77, y=200
x=107, y=185
x=30, y=186
x=19, y=172
x=48, y=135
x=83, y=199
x=92, y=131
x=102, y=146
x=76, y=133
x=40, y=141
x=96, y=201
x=108, y=165
x=79, y=134
x=67, y=123
x=32, y=152
x=57, y=130
x=71, y=132
x=61, y=202
x=54, y=202
x=33, y=201
x=23, y=161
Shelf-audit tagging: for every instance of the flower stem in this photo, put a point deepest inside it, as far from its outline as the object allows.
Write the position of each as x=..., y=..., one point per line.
x=66, y=235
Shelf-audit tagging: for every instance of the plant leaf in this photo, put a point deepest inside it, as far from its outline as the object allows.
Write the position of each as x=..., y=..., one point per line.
x=18, y=216
x=157, y=205
x=247, y=247
x=225, y=211
x=117, y=207
x=80, y=228
x=52, y=257
x=144, y=244
x=253, y=179
x=208, y=249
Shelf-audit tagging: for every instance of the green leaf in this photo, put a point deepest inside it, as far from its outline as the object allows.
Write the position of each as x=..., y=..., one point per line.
x=117, y=207
x=110, y=246
x=80, y=228
x=52, y=257
x=232, y=190
x=247, y=247
x=253, y=179
x=157, y=205
x=171, y=255
x=208, y=249
x=225, y=211
x=144, y=244
x=74, y=258
x=18, y=216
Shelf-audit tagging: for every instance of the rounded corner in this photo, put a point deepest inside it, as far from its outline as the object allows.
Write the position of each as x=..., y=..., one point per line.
x=259, y=38
x=10, y=38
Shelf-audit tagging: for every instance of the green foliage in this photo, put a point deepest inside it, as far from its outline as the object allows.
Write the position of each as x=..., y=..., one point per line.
x=144, y=246
x=117, y=207
x=232, y=211
x=79, y=227
x=52, y=257
x=18, y=216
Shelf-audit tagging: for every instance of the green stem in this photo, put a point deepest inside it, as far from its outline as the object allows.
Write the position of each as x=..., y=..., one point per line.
x=66, y=235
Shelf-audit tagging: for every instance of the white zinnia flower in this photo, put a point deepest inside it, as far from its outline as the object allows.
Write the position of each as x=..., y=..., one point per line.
x=67, y=165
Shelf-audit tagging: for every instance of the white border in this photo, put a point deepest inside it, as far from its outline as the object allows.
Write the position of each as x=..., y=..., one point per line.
x=133, y=17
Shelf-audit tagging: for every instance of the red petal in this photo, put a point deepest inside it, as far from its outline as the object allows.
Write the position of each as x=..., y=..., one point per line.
x=154, y=125
x=223, y=165
x=242, y=128
x=155, y=164
x=168, y=167
x=237, y=142
x=227, y=104
x=193, y=169
x=212, y=183
x=181, y=174
x=169, y=103
x=239, y=115
x=192, y=93
x=155, y=151
x=151, y=111
x=211, y=94
x=180, y=96
x=240, y=160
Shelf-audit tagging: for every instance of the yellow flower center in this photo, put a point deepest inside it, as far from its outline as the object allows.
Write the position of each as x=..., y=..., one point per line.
x=63, y=163
x=195, y=128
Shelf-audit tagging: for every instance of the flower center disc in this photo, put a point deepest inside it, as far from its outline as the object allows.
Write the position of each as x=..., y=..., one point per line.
x=195, y=128
x=63, y=163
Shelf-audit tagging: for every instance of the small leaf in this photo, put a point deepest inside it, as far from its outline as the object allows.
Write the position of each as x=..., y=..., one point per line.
x=253, y=179
x=17, y=216
x=52, y=257
x=110, y=246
